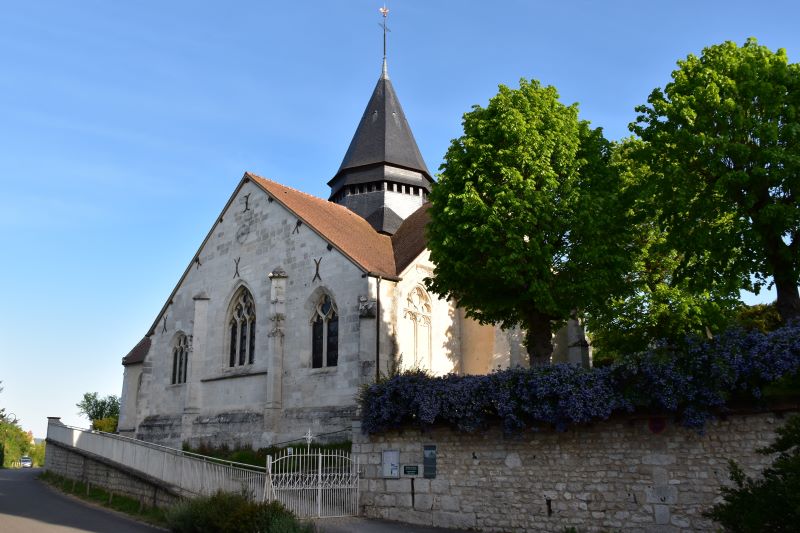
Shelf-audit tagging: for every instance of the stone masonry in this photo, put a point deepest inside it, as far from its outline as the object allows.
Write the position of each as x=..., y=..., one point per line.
x=113, y=477
x=625, y=474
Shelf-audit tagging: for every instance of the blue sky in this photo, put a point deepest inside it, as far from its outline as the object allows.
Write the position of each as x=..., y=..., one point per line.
x=125, y=126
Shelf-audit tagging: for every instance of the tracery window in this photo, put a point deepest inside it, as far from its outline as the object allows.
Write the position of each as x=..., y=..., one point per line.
x=324, y=334
x=180, y=359
x=418, y=313
x=242, y=329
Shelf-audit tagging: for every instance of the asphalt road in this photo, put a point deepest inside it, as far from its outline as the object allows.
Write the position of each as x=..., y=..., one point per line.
x=363, y=525
x=29, y=506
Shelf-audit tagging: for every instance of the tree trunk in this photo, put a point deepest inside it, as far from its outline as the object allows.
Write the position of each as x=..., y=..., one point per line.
x=539, y=339
x=788, y=302
x=780, y=258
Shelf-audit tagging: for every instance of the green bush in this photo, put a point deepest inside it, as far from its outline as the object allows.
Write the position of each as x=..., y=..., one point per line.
x=107, y=425
x=763, y=317
x=232, y=513
x=771, y=502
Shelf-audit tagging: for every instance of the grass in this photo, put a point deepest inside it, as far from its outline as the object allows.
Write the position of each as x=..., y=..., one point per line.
x=117, y=502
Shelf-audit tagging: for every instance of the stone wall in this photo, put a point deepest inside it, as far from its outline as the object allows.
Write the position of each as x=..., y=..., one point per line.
x=86, y=467
x=624, y=474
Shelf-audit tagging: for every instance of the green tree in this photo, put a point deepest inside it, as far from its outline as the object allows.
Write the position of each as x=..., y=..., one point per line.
x=37, y=453
x=772, y=501
x=2, y=409
x=723, y=141
x=657, y=305
x=100, y=410
x=525, y=218
x=15, y=442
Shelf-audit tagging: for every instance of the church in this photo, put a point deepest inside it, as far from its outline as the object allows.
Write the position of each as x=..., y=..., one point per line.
x=292, y=303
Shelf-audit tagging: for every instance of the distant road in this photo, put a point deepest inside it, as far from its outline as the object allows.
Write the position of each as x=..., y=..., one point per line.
x=28, y=506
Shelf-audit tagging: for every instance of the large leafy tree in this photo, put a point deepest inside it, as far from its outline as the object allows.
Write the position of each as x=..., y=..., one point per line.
x=723, y=141
x=525, y=223
x=657, y=305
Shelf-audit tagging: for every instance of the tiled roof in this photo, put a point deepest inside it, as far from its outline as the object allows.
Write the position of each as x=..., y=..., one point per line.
x=138, y=353
x=348, y=232
x=409, y=240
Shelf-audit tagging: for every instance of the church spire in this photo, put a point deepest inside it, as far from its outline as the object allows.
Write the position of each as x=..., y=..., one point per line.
x=382, y=177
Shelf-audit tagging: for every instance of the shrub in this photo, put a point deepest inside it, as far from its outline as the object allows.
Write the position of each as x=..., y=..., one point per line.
x=692, y=380
x=108, y=424
x=232, y=513
x=763, y=317
x=772, y=502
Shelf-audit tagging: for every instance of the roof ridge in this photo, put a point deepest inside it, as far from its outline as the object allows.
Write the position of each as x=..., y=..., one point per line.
x=341, y=208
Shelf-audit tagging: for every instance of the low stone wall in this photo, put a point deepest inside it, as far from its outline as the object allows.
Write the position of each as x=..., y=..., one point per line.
x=86, y=467
x=621, y=475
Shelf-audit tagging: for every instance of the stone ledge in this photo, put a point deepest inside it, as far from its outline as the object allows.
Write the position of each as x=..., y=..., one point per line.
x=234, y=376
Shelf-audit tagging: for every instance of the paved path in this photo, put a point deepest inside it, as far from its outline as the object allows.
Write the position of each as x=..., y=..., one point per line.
x=362, y=525
x=28, y=506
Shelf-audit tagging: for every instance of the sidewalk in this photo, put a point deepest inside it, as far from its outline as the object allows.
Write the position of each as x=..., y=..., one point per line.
x=366, y=525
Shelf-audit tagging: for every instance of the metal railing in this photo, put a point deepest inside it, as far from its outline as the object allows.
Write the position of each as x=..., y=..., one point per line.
x=189, y=472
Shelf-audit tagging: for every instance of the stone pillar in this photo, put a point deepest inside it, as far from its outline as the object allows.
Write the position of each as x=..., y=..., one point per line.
x=578, y=349
x=198, y=342
x=367, y=308
x=277, y=317
x=197, y=353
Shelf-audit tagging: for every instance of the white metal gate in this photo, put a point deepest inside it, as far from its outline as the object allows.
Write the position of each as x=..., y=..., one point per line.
x=313, y=483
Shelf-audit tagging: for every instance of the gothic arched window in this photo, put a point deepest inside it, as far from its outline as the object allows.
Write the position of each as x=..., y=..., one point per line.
x=242, y=329
x=180, y=359
x=324, y=334
x=418, y=312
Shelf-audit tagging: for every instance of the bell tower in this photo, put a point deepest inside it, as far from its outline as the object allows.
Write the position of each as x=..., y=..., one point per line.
x=382, y=177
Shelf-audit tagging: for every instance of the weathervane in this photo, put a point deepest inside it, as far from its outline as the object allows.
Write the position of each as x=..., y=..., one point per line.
x=385, y=12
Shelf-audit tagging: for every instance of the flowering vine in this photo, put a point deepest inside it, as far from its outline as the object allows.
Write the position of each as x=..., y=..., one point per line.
x=692, y=381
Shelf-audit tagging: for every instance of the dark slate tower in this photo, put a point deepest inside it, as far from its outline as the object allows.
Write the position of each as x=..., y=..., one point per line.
x=383, y=177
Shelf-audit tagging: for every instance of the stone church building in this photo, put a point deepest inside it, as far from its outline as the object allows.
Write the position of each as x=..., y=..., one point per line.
x=292, y=301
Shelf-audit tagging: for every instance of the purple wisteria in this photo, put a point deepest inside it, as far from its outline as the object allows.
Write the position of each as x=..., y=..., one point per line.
x=691, y=381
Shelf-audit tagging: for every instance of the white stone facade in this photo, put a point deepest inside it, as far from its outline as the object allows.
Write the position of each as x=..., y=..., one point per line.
x=258, y=245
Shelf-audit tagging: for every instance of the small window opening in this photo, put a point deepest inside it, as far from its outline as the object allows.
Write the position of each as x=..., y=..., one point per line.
x=242, y=327
x=325, y=334
x=180, y=360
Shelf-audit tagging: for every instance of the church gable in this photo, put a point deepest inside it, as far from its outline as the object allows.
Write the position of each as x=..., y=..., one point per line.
x=225, y=314
x=340, y=228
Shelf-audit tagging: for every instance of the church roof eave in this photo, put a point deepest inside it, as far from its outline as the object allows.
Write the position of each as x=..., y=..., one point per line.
x=409, y=241
x=138, y=354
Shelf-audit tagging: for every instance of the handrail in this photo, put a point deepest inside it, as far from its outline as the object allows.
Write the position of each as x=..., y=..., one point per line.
x=167, y=449
x=312, y=482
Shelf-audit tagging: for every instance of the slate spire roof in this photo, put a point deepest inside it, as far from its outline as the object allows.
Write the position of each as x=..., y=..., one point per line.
x=383, y=138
